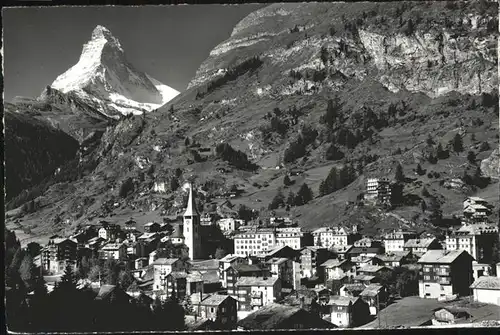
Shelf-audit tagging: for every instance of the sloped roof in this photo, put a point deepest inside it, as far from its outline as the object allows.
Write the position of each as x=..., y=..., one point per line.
x=359, y=250
x=214, y=300
x=165, y=261
x=487, y=283
x=178, y=274
x=272, y=316
x=257, y=281
x=372, y=268
x=395, y=256
x=105, y=291
x=337, y=300
x=419, y=242
x=277, y=260
x=191, y=209
x=245, y=268
x=229, y=258
x=364, y=277
x=354, y=287
x=371, y=290
x=332, y=263
x=441, y=256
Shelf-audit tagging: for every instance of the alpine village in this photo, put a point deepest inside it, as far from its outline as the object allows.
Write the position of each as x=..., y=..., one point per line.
x=338, y=169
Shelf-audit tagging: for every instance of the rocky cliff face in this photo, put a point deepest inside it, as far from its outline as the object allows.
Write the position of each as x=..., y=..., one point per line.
x=419, y=55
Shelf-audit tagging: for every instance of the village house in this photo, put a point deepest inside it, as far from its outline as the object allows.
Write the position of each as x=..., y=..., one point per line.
x=278, y=316
x=151, y=227
x=445, y=273
x=303, y=298
x=364, y=252
x=486, y=290
x=194, y=283
x=116, y=251
x=109, y=231
x=347, y=312
x=229, y=224
x=375, y=296
x=338, y=269
x=293, y=237
x=164, y=266
x=476, y=210
x=237, y=271
x=254, y=292
x=284, y=269
x=394, y=258
x=366, y=279
x=374, y=270
x=367, y=242
x=420, y=246
x=57, y=254
x=351, y=290
x=253, y=242
x=141, y=263
x=226, y=262
x=310, y=260
x=341, y=251
x=221, y=309
x=395, y=240
x=476, y=239
x=176, y=285
x=328, y=237
x=449, y=315
x=381, y=191
x=361, y=261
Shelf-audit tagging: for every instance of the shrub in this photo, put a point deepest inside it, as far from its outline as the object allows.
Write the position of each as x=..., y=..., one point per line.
x=126, y=188
x=333, y=153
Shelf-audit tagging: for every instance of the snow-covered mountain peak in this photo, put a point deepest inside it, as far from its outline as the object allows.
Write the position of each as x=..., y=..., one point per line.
x=104, y=78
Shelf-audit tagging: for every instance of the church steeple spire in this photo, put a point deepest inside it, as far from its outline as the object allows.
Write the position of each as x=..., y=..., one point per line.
x=191, y=209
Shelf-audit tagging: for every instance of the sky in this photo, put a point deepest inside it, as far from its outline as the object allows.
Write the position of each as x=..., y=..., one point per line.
x=167, y=42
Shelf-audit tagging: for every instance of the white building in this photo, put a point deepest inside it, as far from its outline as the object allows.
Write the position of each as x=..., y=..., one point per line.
x=191, y=225
x=327, y=237
x=254, y=242
x=291, y=237
x=117, y=251
x=476, y=239
x=378, y=190
x=162, y=267
x=486, y=290
x=395, y=241
x=229, y=224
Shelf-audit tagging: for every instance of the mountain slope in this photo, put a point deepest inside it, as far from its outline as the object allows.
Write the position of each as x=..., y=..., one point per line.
x=33, y=150
x=265, y=91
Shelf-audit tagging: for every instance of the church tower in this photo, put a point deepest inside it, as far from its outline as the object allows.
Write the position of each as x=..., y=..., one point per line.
x=192, y=227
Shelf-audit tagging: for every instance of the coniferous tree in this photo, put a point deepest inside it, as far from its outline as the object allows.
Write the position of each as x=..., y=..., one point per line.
x=419, y=170
x=287, y=181
x=399, y=175
x=278, y=201
x=27, y=271
x=429, y=140
x=290, y=201
x=68, y=280
x=304, y=195
x=457, y=143
x=471, y=157
x=441, y=154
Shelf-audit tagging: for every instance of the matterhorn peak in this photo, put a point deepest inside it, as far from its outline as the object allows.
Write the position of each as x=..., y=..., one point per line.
x=103, y=76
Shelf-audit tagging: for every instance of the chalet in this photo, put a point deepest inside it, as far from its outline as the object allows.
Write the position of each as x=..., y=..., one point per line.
x=140, y=263
x=449, y=315
x=310, y=260
x=162, y=267
x=221, y=309
x=375, y=296
x=225, y=263
x=394, y=258
x=486, y=290
x=194, y=282
x=367, y=242
x=445, y=273
x=421, y=246
x=374, y=270
x=113, y=294
x=109, y=231
x=395, y=240
x=283, y=268
x=254, y=292
x=277, y=316
x=366, y=279
x=151, y=227
x=57, y=254
x=306, y=299
x=351, y=290
x=116, y=251
x=365, y=252
x=176, y=284
x=341, y=251
x=337, y=269
x=235, y=272
x=348, y=312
